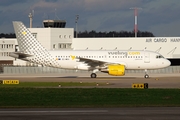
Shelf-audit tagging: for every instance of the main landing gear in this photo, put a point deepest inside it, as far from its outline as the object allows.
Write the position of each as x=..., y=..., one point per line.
x=146, y=75
x=93, y=75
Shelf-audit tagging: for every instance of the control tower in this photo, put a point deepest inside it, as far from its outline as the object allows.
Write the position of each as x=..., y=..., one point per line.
x=54, y=23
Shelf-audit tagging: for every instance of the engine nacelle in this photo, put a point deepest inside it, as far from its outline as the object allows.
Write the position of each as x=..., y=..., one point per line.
x=116, y=70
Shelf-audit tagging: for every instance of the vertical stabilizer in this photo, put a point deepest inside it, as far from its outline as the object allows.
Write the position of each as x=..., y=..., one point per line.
x=29, y=45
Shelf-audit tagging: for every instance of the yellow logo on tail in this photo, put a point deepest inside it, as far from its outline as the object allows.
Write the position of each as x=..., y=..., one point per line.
x=24, y=33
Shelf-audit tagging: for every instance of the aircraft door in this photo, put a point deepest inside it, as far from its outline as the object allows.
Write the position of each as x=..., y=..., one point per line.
x=146, y=57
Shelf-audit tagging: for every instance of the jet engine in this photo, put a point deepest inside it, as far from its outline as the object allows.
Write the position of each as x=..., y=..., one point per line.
x=116, y=70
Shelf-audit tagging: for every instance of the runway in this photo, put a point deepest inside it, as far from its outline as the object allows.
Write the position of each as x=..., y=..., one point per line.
x=142, y=113
x=128, y=113
x=155, y=80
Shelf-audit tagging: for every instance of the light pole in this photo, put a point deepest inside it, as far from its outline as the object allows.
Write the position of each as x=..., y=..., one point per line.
x=31, y=15
x=76, y=21
x=135, y=19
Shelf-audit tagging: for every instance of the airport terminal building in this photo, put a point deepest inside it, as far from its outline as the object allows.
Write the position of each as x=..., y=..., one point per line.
x=54, y=36
x=169, y=47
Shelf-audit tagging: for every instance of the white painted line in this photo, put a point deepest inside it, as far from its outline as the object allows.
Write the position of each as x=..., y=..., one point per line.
x=74, y=111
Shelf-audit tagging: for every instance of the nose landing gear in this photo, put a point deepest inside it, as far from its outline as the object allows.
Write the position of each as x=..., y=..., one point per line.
x=146, y=75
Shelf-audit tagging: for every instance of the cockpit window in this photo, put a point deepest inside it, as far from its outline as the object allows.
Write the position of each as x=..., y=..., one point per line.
x=159, y=56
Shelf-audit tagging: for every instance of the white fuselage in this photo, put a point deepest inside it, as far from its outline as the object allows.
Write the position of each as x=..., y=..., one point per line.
x=130, y=59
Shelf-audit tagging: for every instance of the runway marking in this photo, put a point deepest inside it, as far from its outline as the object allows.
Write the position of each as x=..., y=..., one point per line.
x=75, y=111
x=108, y=79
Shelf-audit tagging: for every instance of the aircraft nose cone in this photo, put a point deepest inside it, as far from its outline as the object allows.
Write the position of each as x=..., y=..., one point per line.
x=168, y=63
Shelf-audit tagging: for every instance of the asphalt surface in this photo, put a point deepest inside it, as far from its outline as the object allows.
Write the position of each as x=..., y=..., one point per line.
x=155, y=80
x=146, y=113
x=142, y=113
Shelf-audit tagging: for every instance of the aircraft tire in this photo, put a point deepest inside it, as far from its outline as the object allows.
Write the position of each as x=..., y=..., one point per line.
x=93, y=75
x=146, y=76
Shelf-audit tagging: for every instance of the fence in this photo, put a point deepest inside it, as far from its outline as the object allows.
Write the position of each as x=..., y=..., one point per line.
x=35, y=69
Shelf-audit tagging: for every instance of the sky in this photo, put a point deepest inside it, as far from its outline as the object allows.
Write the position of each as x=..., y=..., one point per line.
x=161, y=17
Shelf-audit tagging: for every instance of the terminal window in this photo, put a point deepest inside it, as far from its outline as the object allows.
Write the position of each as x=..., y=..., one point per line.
x=64, y=45
x=5, y=54
x=54, y=46
x=6, y=46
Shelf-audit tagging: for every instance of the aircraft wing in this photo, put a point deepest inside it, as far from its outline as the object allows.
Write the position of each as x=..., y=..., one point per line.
x=94, y=63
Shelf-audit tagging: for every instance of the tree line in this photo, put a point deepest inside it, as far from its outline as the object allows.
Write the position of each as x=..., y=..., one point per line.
x=93, y=33
x=88, y=34
x=10, y=35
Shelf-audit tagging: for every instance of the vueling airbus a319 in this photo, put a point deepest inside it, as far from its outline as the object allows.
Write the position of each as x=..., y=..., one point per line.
x=112, y=62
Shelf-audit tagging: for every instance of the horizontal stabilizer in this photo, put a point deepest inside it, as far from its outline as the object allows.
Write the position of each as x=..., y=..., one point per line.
x=19, y=55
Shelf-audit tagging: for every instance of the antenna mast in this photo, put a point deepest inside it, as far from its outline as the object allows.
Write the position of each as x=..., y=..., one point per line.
x=76, y=21
x=31, y=14
x=135, y=19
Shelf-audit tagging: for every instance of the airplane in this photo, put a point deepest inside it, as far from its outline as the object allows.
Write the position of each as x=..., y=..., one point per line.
x=113, y=62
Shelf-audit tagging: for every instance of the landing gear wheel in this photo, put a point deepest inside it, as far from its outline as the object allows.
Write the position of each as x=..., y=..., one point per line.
x=146, y=76
x=93, y=75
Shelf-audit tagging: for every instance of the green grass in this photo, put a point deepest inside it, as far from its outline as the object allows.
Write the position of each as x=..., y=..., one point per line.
x=87, y=97
x=50, y=84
